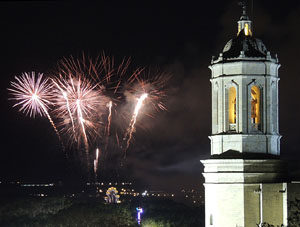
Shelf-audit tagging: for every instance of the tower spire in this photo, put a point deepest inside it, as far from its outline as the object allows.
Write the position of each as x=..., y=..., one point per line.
x=244, y=7
x=243, y=4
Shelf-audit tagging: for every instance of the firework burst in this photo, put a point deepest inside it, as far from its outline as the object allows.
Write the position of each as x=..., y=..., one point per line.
x=80, y=106
x=90, y=99
x=33, y=95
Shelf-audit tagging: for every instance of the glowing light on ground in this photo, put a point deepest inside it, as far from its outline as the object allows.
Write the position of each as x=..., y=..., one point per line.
x=139, y=212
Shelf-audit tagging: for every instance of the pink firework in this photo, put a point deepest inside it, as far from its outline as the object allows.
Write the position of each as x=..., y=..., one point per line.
x=81, y=100
x=33, y=95
x=80, y=106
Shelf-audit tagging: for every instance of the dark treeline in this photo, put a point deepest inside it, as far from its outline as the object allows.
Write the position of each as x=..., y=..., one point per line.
x=93, y=212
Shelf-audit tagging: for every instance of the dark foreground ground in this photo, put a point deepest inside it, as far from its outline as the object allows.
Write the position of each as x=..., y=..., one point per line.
x=92, y=212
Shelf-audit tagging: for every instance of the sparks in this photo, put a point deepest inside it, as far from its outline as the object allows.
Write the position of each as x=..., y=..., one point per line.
x=109, y=106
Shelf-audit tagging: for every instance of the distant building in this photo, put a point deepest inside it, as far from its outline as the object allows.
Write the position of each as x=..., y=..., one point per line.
x=112, y=195
x=245, y=180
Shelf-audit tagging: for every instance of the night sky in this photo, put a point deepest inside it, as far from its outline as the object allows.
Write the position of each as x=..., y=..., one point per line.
x=179, y=38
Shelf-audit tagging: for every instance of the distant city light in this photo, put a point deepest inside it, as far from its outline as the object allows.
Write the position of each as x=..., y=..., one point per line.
x=127, y=189
x=144, y=193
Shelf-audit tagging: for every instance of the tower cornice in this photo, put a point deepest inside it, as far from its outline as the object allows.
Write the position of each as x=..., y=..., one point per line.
x=244, y=170
x=245, y=69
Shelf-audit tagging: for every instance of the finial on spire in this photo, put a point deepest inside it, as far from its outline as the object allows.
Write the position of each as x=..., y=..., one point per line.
x=244, y=7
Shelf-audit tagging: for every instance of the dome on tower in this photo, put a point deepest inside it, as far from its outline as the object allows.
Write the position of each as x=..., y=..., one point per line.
x=244, y=45
x=251, y=46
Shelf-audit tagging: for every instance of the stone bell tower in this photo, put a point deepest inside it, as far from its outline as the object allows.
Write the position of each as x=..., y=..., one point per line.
x=244, y=177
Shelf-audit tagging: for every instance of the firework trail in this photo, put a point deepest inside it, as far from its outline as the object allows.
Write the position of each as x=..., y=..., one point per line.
x=79, y=113
x=96, y=163
x=50, y=119
x=33, y=95
x=65, y=95
x=152, y=85
x=117, y=139
x=131, y=127
x=69, y=111
x=109, y=106
x=81, y=121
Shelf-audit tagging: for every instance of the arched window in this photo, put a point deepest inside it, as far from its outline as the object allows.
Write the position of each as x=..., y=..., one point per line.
x=232, y=105
x=255, y=105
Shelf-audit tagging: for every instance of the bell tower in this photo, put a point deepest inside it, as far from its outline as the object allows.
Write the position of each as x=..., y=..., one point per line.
x=245, y=96
x=244, y=175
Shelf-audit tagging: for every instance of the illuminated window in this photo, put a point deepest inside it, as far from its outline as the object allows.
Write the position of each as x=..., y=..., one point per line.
x=255, y=105
x=239, y=28
x=245, y=27
x=232, y=105
x=247, y=30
